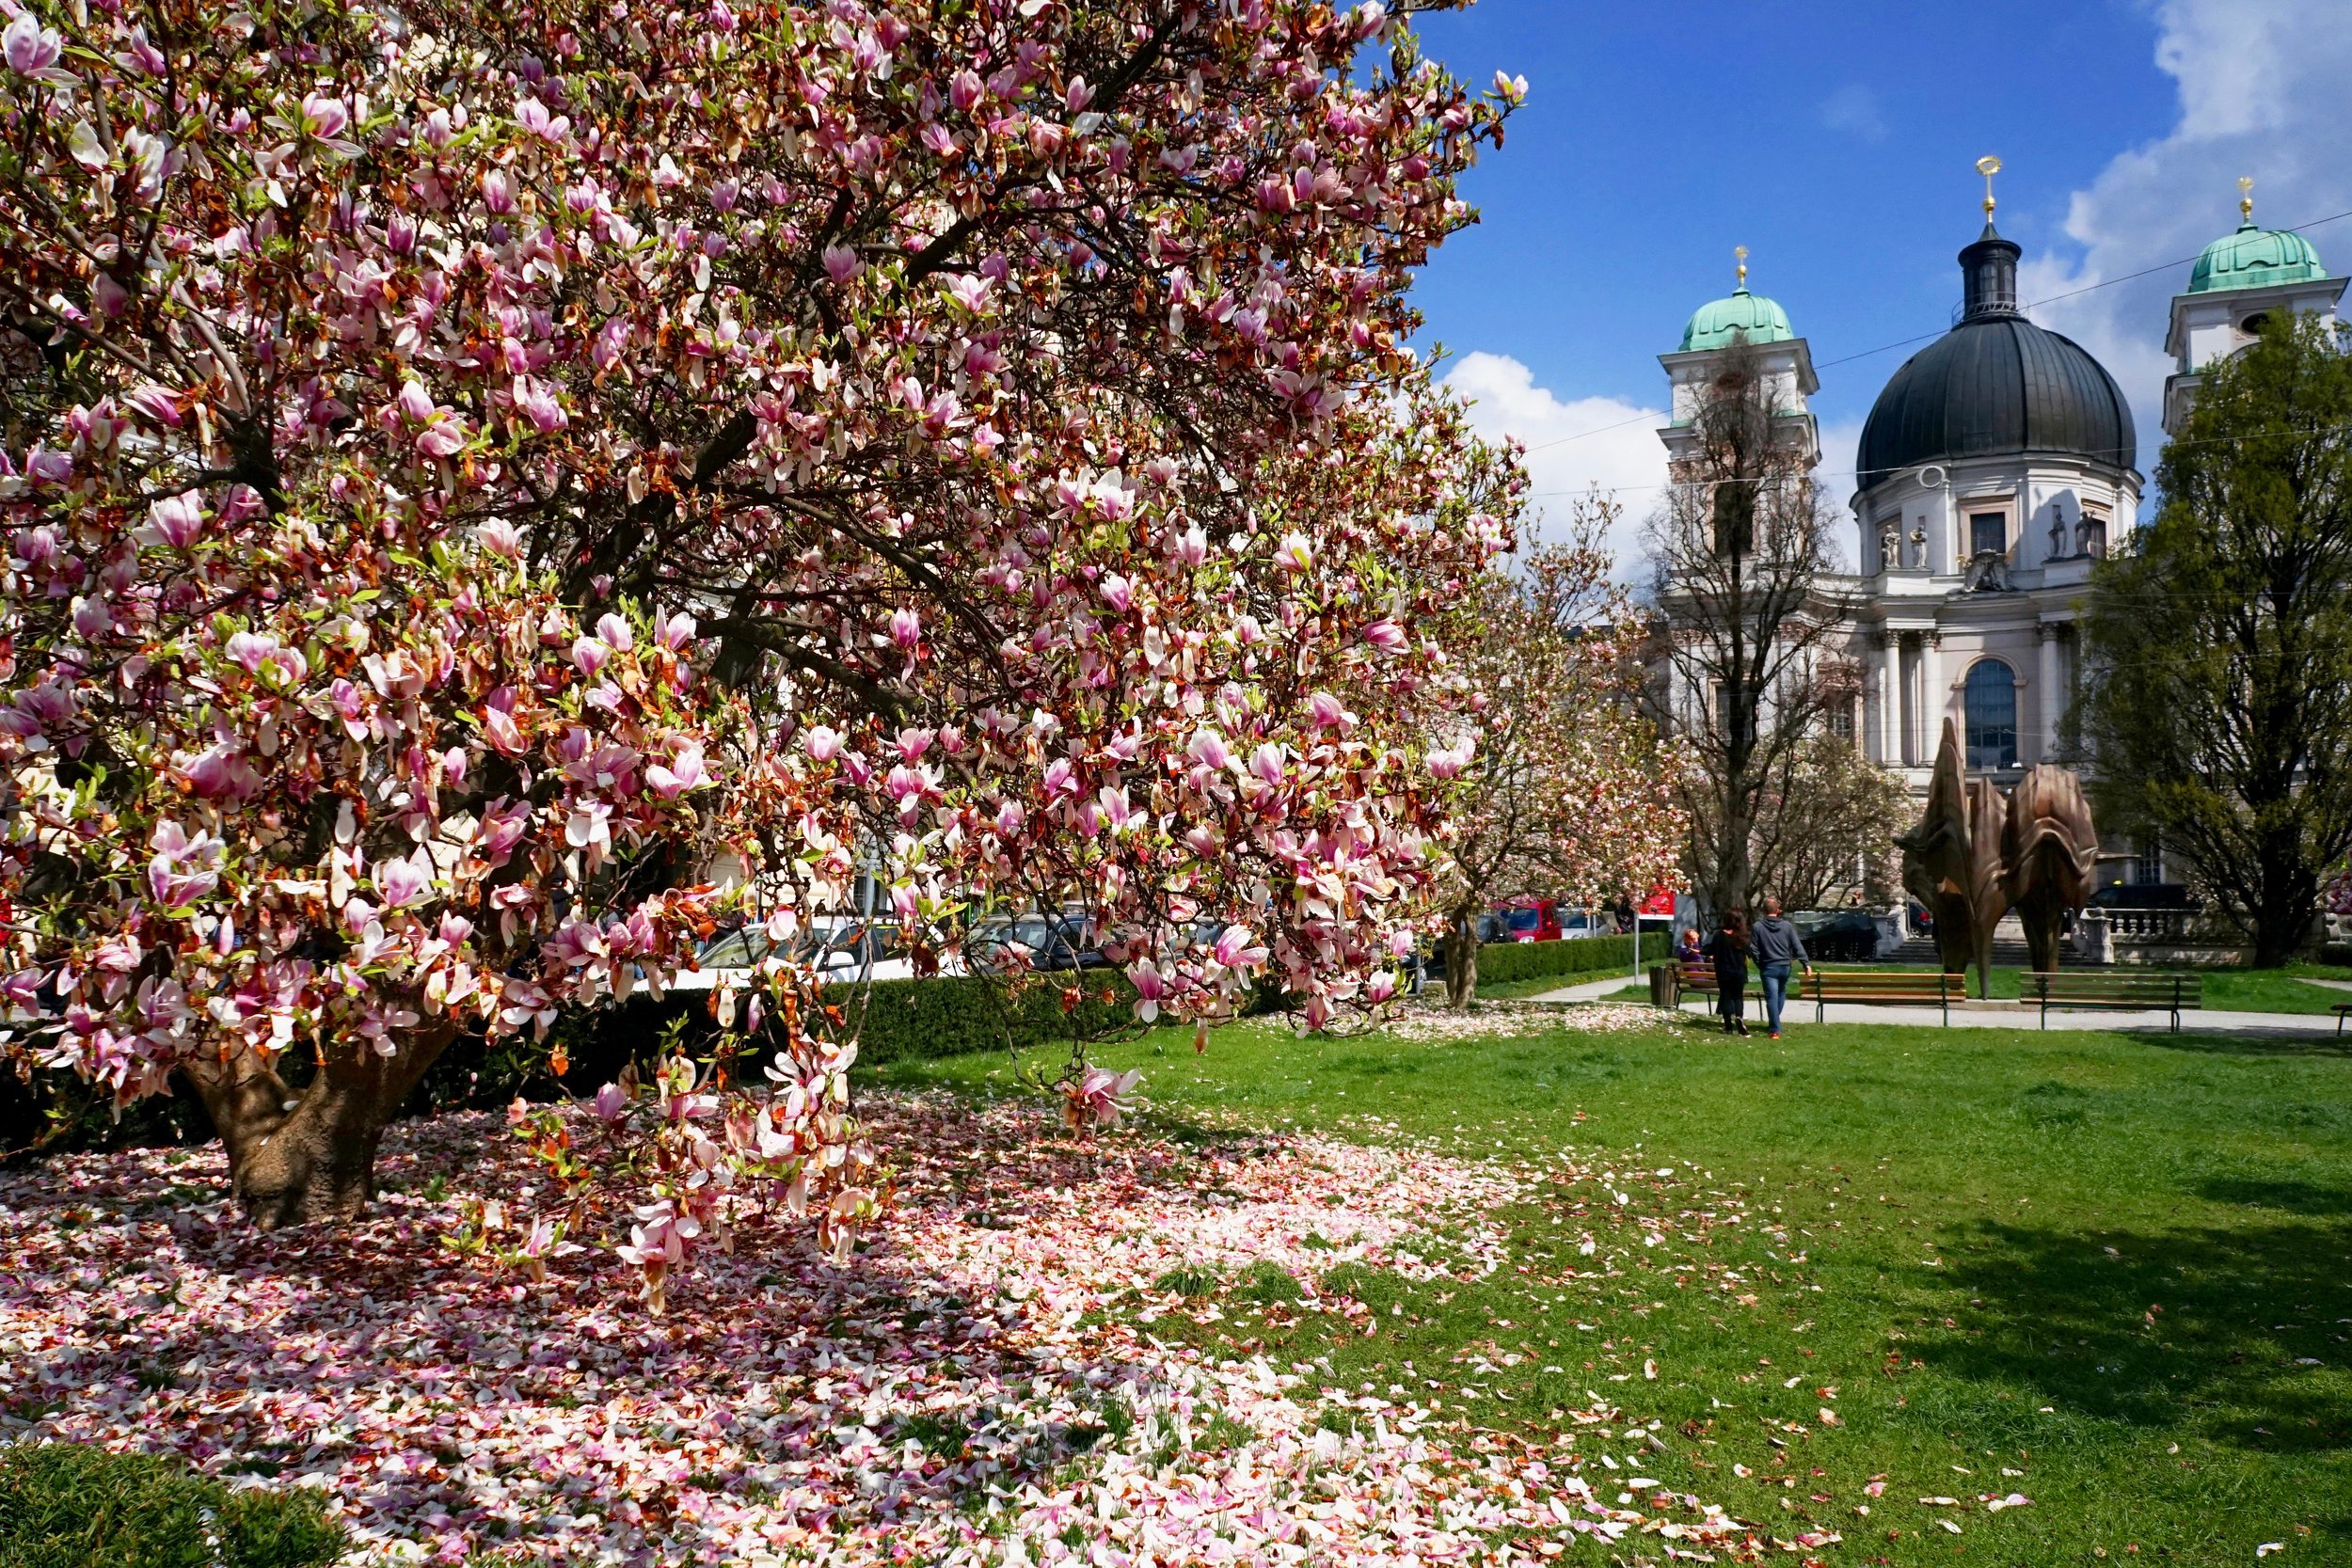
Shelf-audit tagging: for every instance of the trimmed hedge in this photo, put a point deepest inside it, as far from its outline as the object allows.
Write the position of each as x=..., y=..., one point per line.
x=69, y=1505
x=952, y=1015
x=948, y=1015
x=1502, y=962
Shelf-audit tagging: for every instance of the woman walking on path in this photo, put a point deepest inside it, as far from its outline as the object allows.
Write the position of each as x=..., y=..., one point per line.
x=1728, y=947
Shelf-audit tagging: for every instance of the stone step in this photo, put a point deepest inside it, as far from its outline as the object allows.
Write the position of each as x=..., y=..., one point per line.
x=2008, y=952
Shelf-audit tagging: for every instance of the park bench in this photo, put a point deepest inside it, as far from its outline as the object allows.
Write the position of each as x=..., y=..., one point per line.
x=1882, y=987
x=2343, y=1010
x=1700, y=977
x=2172, y=992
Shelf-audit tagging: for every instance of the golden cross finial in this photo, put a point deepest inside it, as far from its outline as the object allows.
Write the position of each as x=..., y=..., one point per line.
x=1742, y=252
x=2245, y=197
x=1988, y=166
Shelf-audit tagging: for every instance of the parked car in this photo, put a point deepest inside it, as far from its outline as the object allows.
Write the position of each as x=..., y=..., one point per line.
x=1530, y=920
x=2145, y=896
x=838, y=947
x=1049, y=941
x=1837, y=936
x=1577, y=924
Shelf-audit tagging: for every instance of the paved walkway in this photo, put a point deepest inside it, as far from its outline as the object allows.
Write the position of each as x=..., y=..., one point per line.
x=1988, y=1015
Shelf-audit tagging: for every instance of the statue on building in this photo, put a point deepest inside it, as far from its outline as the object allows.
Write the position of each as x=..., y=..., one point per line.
x=1919, y=546
x=1890, y=548
x=2048, y=850
x=1987, y=572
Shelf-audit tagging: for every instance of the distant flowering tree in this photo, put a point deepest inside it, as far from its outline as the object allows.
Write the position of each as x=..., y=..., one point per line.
x=1564, y=789
x=491, y=488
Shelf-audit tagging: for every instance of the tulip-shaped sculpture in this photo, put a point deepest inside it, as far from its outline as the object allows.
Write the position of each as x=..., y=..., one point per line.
x=1935, y=858
x=2048, y=850
x=1952, y=864
x=1988, y=885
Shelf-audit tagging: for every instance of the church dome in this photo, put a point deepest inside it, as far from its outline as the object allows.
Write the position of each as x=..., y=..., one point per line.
x=1996, y=385
x=2256, y=258
x=1719, y=321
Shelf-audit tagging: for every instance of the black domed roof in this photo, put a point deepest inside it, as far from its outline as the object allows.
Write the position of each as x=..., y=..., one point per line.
x=1995, y=385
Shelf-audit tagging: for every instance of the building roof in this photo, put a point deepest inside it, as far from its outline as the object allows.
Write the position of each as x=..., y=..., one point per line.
x=2253, y=258
x=1996, y=385
x=1738, y=314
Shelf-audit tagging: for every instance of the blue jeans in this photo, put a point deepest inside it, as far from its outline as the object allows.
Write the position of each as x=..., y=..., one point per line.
x=1776, y=995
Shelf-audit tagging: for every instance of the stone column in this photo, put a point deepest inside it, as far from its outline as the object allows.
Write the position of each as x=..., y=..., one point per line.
x=1884, y=653
x=2052, y=704
x=1906, y=714
x=1935, y=695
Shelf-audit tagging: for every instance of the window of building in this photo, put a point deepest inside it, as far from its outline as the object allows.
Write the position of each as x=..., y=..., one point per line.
x=1841, y=720
x=2147, y=863
x=1732, y=726
x=1992, y=704
x=1988, y=532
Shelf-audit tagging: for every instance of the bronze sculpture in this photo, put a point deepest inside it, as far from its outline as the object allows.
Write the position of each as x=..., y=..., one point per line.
x=1935, y=859
x=1976, y=852
x=2048, y=850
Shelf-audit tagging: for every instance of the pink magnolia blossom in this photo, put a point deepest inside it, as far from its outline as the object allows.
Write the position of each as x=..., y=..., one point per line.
x=1099, y=1097
x=31, y=47
x=682, y=773
x=177, y=520
x=404, y=880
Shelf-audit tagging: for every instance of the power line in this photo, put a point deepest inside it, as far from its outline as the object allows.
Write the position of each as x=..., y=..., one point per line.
x=1818, y=474
x=1926, y=336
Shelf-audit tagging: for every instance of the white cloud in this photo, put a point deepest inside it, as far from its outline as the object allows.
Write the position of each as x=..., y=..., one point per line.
x=1854, y=109
x=1571, y=446
x=1840, y=443
x=2262, y=93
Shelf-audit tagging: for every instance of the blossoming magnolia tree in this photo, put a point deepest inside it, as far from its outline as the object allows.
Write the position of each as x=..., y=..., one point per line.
x=1567, y=791
x=472, y=470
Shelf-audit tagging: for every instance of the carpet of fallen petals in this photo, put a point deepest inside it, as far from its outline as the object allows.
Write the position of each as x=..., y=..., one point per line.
x=980, y=1385
x=1505, y=1019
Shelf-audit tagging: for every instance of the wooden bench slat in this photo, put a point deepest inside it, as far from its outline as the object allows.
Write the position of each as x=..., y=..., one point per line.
x=2174, y=993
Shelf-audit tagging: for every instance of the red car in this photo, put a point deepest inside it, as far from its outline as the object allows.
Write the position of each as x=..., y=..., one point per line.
x=1529, y=921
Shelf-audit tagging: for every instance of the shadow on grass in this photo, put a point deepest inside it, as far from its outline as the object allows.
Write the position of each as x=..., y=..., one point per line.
x=2233, y=1333
x=2296, y=1198
x=2318, y=1040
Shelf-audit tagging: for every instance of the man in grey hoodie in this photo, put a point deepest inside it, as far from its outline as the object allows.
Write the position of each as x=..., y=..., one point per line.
x=1777, y=945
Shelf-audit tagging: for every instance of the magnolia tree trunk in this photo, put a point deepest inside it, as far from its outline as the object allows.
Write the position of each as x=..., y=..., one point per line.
x=1461, y=958
x=299, y=1155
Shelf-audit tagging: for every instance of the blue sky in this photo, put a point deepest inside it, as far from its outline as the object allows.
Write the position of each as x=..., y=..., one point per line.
x=1836, y=142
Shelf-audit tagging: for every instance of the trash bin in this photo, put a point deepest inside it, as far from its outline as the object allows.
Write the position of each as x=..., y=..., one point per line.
x=1664, y=981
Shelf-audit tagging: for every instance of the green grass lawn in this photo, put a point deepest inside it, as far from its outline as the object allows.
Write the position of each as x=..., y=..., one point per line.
x=2111, y=1273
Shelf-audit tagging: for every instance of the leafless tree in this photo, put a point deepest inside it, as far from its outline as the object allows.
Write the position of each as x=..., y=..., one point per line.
x=1564, y=789
x=1749, y=628
x=1827, y=825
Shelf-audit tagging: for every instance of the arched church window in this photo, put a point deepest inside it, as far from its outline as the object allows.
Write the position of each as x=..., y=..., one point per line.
x=1992, y=710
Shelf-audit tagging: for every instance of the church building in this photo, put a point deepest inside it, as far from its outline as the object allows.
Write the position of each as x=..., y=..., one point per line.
x=1996, y=466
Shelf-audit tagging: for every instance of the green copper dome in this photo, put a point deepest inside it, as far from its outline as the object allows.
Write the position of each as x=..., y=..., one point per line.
x=2256, y=258
x=1715, y=324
